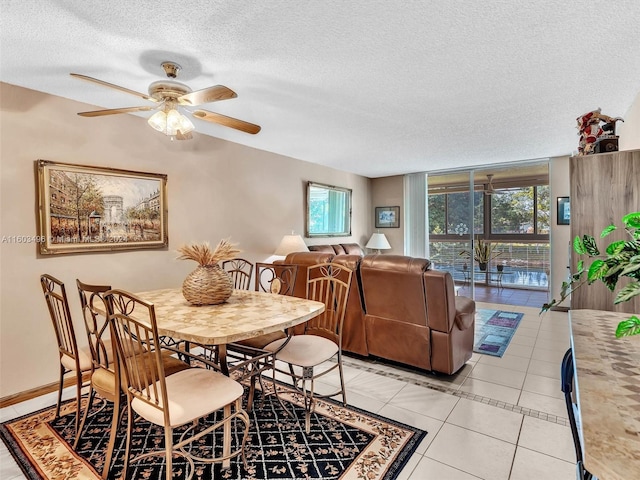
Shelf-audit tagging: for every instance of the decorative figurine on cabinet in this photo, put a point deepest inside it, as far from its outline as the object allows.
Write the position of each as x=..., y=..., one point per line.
x=596, y=138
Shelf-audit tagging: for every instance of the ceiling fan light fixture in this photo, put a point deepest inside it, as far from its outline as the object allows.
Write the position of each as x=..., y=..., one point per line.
x=170, y=122
x=176, y=121
x=158, y=121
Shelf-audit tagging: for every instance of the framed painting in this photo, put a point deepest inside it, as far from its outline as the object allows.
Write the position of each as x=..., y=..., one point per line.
x=564, y=211
x=92, y=209
x=387, y=217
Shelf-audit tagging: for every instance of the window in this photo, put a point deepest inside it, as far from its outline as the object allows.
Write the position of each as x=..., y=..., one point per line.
x=328, y=211
x=514, y=211
x=520, y=211
x=449, y=213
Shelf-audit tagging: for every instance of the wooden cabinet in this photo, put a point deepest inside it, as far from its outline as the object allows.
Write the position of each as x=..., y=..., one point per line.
x=604, y=188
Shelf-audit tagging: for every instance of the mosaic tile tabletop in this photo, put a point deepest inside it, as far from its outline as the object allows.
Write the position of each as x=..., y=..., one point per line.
x=608, y=389
x=244, y=315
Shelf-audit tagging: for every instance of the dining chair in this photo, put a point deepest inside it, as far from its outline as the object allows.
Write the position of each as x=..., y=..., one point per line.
x=72, y=359
x=240, y=271
x=322, y=338
x=171, y=401
x=249, y=356
x=566, y=374
x=104, y=380
x=276, y=278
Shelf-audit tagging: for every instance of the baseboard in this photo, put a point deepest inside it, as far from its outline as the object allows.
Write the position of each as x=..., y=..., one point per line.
x=36, y=392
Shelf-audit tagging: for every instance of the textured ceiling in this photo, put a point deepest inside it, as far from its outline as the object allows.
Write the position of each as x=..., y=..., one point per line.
x=375, y=88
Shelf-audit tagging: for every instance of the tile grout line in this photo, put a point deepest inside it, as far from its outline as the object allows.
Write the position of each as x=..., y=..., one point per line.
x=467, y=395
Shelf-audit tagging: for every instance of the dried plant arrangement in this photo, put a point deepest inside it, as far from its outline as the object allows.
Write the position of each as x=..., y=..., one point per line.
x=203, y=254
x=208, y=284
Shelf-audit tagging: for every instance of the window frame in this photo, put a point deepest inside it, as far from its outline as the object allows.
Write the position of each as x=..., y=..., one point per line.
x=347, y=207
x=487, y=217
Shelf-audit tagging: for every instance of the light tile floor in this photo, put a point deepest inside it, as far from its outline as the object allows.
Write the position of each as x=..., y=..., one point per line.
x=498, y=418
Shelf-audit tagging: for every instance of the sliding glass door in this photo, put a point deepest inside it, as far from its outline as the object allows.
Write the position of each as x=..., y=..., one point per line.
x=489, y=227
x=454, y=214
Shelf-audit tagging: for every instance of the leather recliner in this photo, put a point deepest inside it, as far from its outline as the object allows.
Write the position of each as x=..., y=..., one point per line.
x=413, y=315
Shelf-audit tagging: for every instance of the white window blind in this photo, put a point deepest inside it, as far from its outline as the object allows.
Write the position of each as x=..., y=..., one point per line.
x=415, y=215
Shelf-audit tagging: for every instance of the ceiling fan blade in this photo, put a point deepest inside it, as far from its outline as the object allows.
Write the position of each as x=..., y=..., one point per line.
x=111, y=85
x=113, y=111
x=227, y=121
x=206, y=95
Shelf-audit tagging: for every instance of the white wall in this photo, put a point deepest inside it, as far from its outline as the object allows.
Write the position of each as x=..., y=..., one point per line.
x=560, y=237
x=216, y=189
x=629, y=130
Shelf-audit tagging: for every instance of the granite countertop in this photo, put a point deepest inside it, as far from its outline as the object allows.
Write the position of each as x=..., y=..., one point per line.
x=608, y=394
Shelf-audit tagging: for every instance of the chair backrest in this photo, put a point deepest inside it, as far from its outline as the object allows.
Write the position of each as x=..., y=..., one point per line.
x=385, y=278
x=304, y=260
x=139, y=362
x=276, y=278
x=566, y=383
x=95, y=322
x=240, y=271
x=328, y=283
x=56, y=297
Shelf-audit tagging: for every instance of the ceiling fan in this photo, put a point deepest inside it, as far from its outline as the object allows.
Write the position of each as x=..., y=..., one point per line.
x=490, y=189
x=171, y=96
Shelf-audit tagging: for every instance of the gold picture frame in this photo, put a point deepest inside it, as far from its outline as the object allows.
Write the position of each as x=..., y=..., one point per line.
x=97, y=209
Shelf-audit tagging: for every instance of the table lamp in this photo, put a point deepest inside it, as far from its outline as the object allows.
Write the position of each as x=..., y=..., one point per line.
x=291, y=243
x=378, y=242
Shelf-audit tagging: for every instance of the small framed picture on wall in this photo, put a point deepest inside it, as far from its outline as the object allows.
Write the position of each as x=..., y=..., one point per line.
x=564, y=211
x=387, y=217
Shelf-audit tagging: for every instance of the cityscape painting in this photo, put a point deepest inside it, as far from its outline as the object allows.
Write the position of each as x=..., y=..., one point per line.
x=99, y=209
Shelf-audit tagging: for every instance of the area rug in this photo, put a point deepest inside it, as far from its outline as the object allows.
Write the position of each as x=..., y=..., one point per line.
x=344, y=443
x=494, y=330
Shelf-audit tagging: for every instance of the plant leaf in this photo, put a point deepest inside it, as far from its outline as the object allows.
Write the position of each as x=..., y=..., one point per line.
x=628, y=327
x=578, y=246
x=628, y=292
x=580, y=266
x=597, y=270
x=590, y=246
x=632, y=220
x=608, y=230
x=615, y=247
x=633, y=266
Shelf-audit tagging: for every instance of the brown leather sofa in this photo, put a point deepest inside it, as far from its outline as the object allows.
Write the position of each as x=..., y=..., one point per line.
x=401, y=310
x=338, y=249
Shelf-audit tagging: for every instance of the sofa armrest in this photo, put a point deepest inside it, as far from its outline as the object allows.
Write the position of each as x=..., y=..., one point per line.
x=465, y=312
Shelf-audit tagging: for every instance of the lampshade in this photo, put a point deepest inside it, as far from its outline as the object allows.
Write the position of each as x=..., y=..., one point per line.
x=291, y=243
x=378, y=242
x=170, y=122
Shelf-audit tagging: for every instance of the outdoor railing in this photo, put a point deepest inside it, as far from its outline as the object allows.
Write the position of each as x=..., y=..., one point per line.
x=526, y=265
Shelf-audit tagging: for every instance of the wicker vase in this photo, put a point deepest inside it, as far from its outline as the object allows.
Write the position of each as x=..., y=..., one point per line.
x=208, y=285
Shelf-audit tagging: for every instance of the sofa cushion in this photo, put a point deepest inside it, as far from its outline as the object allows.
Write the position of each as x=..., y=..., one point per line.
x=352, y=249
x=337, y=248
x=321, y=248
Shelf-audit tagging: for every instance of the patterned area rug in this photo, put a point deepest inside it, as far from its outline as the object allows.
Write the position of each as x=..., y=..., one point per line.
x=344, y=442
x=494, y=330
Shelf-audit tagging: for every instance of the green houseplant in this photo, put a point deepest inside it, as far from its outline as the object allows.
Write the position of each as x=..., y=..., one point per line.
x=483, y=252
x=622, y=259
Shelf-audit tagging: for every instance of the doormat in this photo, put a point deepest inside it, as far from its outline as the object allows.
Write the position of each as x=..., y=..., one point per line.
x=344, y=442
x=494, y=330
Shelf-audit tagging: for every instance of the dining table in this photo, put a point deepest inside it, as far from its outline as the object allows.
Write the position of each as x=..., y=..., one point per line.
x=607, y=380
x=245, y=314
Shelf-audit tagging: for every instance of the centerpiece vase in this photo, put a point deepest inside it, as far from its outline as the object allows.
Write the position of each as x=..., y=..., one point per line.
x=207, y=285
